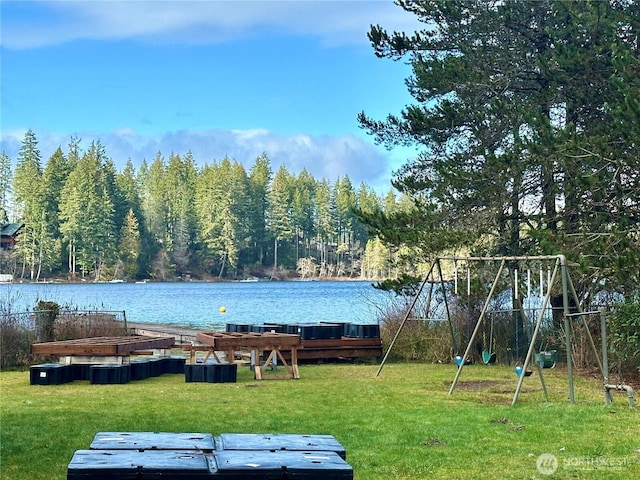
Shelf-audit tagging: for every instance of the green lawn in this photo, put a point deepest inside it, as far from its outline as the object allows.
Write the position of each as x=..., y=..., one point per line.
x=400, y=425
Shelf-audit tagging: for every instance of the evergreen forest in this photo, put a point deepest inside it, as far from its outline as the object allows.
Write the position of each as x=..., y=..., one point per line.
x=170, y=219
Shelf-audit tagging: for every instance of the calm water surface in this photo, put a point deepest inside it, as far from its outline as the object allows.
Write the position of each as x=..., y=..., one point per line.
x=198, y=304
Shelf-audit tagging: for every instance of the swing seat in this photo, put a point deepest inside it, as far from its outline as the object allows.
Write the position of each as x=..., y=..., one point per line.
x=458, y=359
x=518, y=369
x=488, y=358
x=546, y=359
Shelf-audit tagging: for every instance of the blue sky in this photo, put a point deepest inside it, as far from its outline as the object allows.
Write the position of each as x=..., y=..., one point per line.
x=219, y=78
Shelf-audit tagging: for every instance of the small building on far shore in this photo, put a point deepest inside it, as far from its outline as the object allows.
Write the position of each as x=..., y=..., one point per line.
x=9, y=232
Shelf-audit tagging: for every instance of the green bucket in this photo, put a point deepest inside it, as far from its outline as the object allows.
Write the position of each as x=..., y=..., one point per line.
x=546, y=359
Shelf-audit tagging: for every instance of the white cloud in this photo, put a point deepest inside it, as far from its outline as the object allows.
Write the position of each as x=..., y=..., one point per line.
x=336, y=22
x=328, y=157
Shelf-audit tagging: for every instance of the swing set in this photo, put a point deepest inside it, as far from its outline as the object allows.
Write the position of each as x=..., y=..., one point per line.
x=557, y=270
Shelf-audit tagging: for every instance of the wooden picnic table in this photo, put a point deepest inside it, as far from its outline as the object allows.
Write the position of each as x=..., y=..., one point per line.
x=256, y=343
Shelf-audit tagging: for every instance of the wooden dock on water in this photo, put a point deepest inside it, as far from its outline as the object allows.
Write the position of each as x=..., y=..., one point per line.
x=309, y=349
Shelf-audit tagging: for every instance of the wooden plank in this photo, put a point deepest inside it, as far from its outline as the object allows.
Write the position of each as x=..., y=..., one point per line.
x=223, y=341
x=319, y=354
x=145, y=343
x=344, y=347
x=96, y=346
x=294, y=363
x=342, y=342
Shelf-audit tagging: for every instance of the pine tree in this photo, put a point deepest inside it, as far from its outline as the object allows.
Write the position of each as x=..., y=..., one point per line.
x=130, y=186
x=5, y=186
x=260, y=177
x=515, y=110
x=130, y=245
x=27, y=190
x=179, y=187
x=303, y=211
x=87, y=215
x=222, y=204
x=279, y=215
x=154, y=203
x=56, y=173
x=345, y=199
x=324, y=224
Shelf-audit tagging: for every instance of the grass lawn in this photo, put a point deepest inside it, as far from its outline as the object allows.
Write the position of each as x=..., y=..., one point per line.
x=400, y=425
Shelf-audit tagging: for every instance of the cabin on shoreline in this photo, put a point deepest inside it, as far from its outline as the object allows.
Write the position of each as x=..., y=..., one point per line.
x=8, y=234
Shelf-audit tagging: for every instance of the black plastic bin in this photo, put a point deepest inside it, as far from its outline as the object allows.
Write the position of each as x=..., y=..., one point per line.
x=238, y=328
x=269, y=328
x=283, y=464
x=174, y=364
x=109, y=374
x=292, y=329
x=156, y=366
x=139, y=465
x=81, y=371
x=50, y=374
x=140, y=369
x=320, y=331
x=281, y=441
x=194, y=372
x=153, y=441
x=229, y=372
x=364, y=331
x=211, y=372
x=330, y=331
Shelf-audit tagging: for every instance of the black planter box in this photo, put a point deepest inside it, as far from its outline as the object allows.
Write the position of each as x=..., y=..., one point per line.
x=50, y=374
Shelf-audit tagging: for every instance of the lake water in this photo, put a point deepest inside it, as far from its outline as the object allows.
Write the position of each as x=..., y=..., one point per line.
x=198, y=305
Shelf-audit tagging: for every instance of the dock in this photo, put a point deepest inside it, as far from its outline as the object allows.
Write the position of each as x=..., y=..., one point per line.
x=313, y=347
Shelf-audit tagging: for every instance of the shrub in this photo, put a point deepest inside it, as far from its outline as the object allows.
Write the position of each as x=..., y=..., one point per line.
x=419, y=341
x=624, y=336
x=18, y=331
x=84, y=324
x=16, y=337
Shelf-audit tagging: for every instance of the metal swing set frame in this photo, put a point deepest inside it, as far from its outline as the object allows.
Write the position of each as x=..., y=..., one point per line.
x=560, y=269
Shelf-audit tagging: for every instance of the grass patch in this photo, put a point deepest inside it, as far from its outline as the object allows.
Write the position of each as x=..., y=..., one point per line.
x=401, y=425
